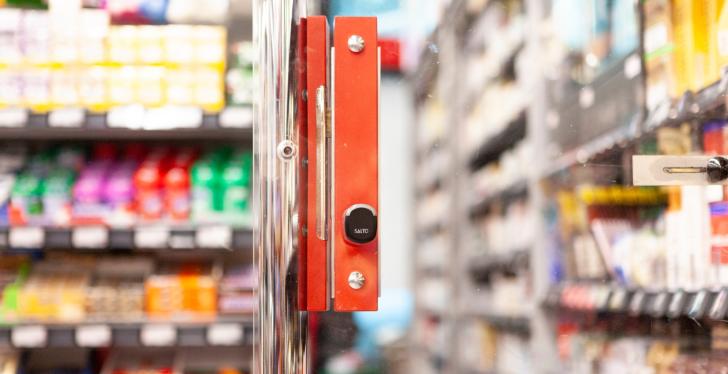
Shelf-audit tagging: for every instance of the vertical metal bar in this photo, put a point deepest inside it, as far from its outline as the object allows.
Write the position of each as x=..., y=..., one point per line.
x=280, y=327
x=321, y=164
x=543, y=331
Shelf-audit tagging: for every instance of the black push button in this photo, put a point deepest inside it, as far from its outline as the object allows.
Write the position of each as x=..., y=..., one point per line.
x=360, y=224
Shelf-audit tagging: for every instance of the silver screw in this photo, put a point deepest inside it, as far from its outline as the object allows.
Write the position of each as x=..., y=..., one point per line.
x=356, y=43
x=286, y=149
x=356, y=280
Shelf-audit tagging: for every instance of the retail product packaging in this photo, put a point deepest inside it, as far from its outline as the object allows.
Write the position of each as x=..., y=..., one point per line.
x=690, y=21
x=210, y=11
x=721, y=36
x=675, y=243
x=48, y=64
x=117, y=289
x=10, y=44
x=695, y=265
x=14, y=272
x=659, y=48
x=35, y=36
x=56, y=291
x=239, y=79
x=95, y=25
x=26, y=205
x=714, y=66
x=719, y=241
x=713, y=137
x=65, y=30
x=237, y=291
x=182, y=290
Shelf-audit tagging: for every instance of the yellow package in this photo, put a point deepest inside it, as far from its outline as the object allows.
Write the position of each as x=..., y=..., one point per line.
x=36, y=89
x=72, y=299
x=10, y=88
x=180, y=86
x=122, y=86
x=150, y=86
x=122, y=44
x=722, y=37
x=149, y=44
x=199, y=294
x=209, y=88
x=684, y=48
x=714, y=67
x=690, y=25
x=209, y=42
x=94, y=89
x=163, y=295
x=64, y=88
x=178, y=44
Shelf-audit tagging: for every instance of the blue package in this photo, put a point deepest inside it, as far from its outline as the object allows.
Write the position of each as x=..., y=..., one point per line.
x=154, y=10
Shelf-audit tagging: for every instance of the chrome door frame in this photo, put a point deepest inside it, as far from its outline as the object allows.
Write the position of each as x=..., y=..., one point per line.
x=280, y=328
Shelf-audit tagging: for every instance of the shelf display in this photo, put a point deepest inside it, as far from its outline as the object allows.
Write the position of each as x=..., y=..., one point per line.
x=72, y=288
x=99, y=66
x=125, y=187
x=120, y=186
x=552, y=251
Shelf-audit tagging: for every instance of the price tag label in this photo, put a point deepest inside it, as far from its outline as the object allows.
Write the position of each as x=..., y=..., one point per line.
x=26, y=237
x=718, y=309
x=130, y=117
x=29, y=336
x=13, y=117
x=151, y=237
x=214, y=237
x=237, y=117
x=158, y=335
x=676, y=305
x=90, y=237
x=635, y=306
x=173, y=117
x=93, y=336
x=697, y=308
x=67, y=117
x=182, y=240
x=225, y=334
x=659, y=303
x=601, y=298
x=616, y=302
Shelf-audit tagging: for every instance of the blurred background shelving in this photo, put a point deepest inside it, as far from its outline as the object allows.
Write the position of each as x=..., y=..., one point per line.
x=552, y=261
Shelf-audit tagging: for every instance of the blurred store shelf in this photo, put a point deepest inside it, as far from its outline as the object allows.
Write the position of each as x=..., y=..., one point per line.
x=516, y=191
x=515, y=324
x=135, y=123
x=215, y=331
x=493, y=146
x=140, y=237
x=483, y=267
x=691, y=106
x=711, y=304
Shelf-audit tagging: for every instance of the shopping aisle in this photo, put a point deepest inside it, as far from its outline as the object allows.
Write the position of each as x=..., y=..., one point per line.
x=535, y=251
x=125, y=184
